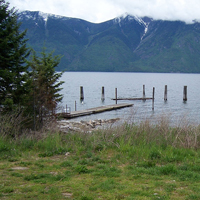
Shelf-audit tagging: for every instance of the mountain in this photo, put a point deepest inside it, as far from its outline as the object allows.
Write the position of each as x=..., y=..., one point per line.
x=126, y=43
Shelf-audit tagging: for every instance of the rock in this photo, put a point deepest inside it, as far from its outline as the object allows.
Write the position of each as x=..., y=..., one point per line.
x=113, y=120
x=98, y=122
x=84, y=126
x=91, y=123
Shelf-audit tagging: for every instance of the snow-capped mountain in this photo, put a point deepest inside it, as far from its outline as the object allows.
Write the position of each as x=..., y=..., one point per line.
x=26, y=15
x=126, y=43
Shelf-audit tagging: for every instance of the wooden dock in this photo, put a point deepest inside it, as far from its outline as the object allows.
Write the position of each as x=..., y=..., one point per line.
x=93, y=110
x=143, y=98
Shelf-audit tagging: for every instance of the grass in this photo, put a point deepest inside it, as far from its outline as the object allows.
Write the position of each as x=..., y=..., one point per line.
x=131, y=161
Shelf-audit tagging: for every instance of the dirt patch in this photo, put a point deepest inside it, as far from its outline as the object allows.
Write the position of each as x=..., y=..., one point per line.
x=20, y=168
x=68, y=195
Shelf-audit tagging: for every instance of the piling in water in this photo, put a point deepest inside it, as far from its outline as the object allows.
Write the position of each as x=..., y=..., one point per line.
x=143, y=91
x=81, y=93
x=116, y=95
x=153, y=96
x=185, y=93
x=165, y=93
x=102, y=94
x=144, y=96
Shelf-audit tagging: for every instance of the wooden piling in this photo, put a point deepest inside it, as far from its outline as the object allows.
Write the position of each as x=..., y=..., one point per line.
x=153, y=96
x=165, y=93
x=143, y=91
x=185, y=93
x=75, y=106
x=81, y=93
x=102, y=94
x=116, y=95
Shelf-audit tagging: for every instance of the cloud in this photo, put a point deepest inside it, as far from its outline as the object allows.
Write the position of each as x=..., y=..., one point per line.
x=185, y=10
x=102, y=10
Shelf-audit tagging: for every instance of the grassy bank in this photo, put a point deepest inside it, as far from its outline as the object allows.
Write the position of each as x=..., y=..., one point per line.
x=141, y=161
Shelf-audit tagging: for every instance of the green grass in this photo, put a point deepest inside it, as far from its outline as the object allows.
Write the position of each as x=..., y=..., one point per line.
x=128, y=162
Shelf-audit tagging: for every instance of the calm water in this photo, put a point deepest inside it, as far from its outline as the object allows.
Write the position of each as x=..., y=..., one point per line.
x=131, y=85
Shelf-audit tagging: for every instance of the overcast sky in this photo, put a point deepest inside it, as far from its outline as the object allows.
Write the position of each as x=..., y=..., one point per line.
x=103, y=10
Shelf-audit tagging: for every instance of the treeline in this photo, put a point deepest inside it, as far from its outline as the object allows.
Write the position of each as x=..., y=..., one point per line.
x=29, y=84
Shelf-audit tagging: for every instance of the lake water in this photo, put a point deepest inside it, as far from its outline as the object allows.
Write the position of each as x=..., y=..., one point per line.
x=130, y=85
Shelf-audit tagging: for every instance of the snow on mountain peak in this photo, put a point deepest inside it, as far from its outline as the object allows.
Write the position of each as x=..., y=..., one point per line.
x=44, y=15
x=130, y=18
x=35, y=14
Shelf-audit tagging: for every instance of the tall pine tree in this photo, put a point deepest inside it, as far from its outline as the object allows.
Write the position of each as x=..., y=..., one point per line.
x=13, y=53
x=45, y=85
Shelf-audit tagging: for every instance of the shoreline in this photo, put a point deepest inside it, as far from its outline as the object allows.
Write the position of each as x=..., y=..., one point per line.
x=85, y=126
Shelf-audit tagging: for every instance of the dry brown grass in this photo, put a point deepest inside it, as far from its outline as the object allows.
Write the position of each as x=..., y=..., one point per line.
x=149, y=131
x=185, y=135
x=12, y=124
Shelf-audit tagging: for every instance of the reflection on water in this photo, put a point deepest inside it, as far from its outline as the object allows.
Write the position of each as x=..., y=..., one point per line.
x=130, y=85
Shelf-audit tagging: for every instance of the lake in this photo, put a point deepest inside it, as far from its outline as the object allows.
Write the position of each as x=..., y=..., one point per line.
x=130, y=85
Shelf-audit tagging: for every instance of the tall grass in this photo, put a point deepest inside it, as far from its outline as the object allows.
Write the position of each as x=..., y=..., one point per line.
x=143, y=140
x=145, y=160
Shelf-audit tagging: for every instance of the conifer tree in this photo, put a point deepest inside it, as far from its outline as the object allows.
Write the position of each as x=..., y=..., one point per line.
x=13, y=53
x=45, y=84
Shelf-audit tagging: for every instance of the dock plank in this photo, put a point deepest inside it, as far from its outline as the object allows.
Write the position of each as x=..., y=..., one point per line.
x=94, y=110
x=143, y=98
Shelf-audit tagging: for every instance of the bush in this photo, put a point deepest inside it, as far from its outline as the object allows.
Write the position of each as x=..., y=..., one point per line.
x=13, y=123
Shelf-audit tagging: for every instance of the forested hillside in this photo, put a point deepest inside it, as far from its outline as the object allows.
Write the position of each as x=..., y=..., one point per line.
x=125, y=43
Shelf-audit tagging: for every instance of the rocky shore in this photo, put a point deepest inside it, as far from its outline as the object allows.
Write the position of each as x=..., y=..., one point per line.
x=85, y=126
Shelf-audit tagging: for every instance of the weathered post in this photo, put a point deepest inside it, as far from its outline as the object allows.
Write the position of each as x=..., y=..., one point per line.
x=165, y=93
x=66, y=108
x=102, y=94
x=116, y=95
x=143, y=91
x=153, y=96
x=185, y=93
x=75, y=105
x=81, y=93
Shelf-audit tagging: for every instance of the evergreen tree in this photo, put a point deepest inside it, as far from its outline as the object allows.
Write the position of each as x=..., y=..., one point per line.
x=45, y=84
x=13, y=53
